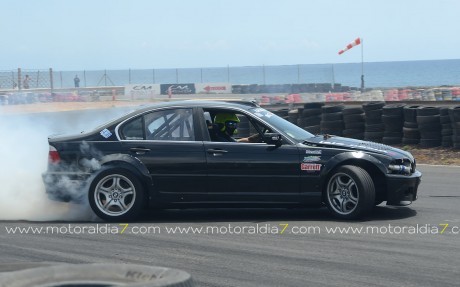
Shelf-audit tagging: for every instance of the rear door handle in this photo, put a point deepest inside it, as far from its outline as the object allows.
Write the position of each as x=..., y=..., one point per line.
x=139, y=150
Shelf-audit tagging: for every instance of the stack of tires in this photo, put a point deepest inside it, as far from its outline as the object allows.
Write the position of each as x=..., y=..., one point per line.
x=293, y=115
x=332, y=120
x=411, y=134
x=446, y=132
x=393, y=119
x=310, y=117
x=374, y=127
x=353, y=119
x=429, y=124
x=454, y=113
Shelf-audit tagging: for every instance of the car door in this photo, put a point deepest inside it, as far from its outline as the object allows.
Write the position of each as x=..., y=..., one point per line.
x=165, y=142
x=252, y=171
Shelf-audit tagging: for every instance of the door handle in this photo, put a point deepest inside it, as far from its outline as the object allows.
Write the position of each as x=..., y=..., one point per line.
x=214, y=151
x=139, y=150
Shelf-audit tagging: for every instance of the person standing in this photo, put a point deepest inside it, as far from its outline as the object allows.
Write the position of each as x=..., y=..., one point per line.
x=76, y=80
x=26, y=81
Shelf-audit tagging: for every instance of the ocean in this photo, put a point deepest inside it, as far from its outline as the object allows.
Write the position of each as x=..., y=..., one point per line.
x=376, y=75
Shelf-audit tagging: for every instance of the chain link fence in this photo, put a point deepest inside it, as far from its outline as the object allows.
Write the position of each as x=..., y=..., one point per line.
x=262, y=75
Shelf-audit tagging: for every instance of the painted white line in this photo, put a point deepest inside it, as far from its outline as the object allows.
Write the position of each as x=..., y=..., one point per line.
x=437, y=165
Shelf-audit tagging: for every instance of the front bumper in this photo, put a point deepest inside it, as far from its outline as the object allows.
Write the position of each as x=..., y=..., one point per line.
x=66, y=186
x=402, y=188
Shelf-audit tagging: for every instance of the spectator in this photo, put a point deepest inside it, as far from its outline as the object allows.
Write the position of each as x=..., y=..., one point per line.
x=26, y=81
x=76, y=80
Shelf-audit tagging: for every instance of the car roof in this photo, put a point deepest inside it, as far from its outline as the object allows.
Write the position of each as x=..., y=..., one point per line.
x=200, y=103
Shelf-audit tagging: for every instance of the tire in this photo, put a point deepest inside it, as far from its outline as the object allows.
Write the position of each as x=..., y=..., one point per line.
x=121, y=184
x=350, y=192
x=355, y=125
x=373, y=106
x=411, y=141
x=391, y=140
x=374, y=114
x=375, y=128
x=313, y=105
x=428, y=119
x=332, y=109
x=311, y=112
x=353, y=111
x=393, y=110
x=427, y=111
x=97, y=274
x=332, y=117
x=411, y=125
x=410, y=113
x=353, y=118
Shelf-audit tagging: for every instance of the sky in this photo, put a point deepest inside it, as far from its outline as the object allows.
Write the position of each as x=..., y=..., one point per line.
x=144, y=34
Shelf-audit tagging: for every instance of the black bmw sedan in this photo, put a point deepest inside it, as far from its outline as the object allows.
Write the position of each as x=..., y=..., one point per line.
x=168, y=156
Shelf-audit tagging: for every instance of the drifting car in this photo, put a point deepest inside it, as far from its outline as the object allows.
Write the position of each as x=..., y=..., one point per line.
x=163, y=156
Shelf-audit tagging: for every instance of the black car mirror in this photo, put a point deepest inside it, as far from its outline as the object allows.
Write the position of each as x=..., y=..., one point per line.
x=273, y=138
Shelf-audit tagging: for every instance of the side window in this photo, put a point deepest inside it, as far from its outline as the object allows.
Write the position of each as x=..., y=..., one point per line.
x=133, y=130
x=175, y=125
x=245, y=128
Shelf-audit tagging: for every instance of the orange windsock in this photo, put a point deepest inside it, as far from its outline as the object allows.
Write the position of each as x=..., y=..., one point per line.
x=357, y=41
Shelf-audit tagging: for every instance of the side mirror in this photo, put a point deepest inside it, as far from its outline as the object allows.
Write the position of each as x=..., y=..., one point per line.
x=273, y=138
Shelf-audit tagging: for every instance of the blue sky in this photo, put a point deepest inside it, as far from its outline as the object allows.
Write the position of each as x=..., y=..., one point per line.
x=98, y=34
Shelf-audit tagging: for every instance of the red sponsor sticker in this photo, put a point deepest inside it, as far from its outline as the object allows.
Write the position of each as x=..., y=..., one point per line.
x=310, y=166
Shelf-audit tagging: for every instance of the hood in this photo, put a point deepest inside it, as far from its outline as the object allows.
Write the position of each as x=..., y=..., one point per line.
x=354, y=144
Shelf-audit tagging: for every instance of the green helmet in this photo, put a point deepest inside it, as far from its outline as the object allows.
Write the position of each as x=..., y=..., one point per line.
x=226, y=119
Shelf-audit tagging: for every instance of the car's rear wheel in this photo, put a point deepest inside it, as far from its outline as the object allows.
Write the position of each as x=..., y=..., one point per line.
x=350, y=192
x=116, y=195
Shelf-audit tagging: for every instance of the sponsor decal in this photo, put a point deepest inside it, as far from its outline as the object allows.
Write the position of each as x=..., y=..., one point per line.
x=313, y=151
x=262, y=113
x=311, y=158
x=310, y=166
x=106, y=133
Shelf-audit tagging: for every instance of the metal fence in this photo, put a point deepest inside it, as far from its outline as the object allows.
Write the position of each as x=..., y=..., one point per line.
x=262, y=75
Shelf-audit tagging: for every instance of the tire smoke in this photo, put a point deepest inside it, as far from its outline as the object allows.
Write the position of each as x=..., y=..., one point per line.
x=23, y=159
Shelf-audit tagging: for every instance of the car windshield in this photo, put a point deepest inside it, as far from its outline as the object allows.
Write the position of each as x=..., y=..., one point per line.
x=296, y=133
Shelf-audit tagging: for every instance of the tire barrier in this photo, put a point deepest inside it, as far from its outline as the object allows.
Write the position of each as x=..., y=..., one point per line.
x=332, y=120
x=446, y=131
x=411, y=133
x=429, y=124
x=454, y=114
x=393, y=120
x=392, y=124
x=353, y=118
x=374, y=127
x=96, y=275
x=310, y=117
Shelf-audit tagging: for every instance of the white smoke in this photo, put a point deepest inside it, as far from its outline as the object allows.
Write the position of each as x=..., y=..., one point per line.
x=23, y=159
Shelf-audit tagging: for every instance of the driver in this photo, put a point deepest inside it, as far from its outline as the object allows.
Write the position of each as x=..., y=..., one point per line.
x=227, y=123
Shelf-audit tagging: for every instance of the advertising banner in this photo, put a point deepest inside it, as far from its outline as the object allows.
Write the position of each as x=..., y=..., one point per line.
x=142, y=91
x=177, y=89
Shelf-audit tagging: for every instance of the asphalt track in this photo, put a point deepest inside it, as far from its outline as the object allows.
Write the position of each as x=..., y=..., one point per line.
x=404, y=246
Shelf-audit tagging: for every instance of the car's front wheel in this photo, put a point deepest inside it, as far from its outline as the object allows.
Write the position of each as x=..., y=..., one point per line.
x=350, y=192
x=116, y=195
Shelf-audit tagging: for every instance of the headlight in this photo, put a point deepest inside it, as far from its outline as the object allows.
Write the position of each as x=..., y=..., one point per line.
x=402, y=166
